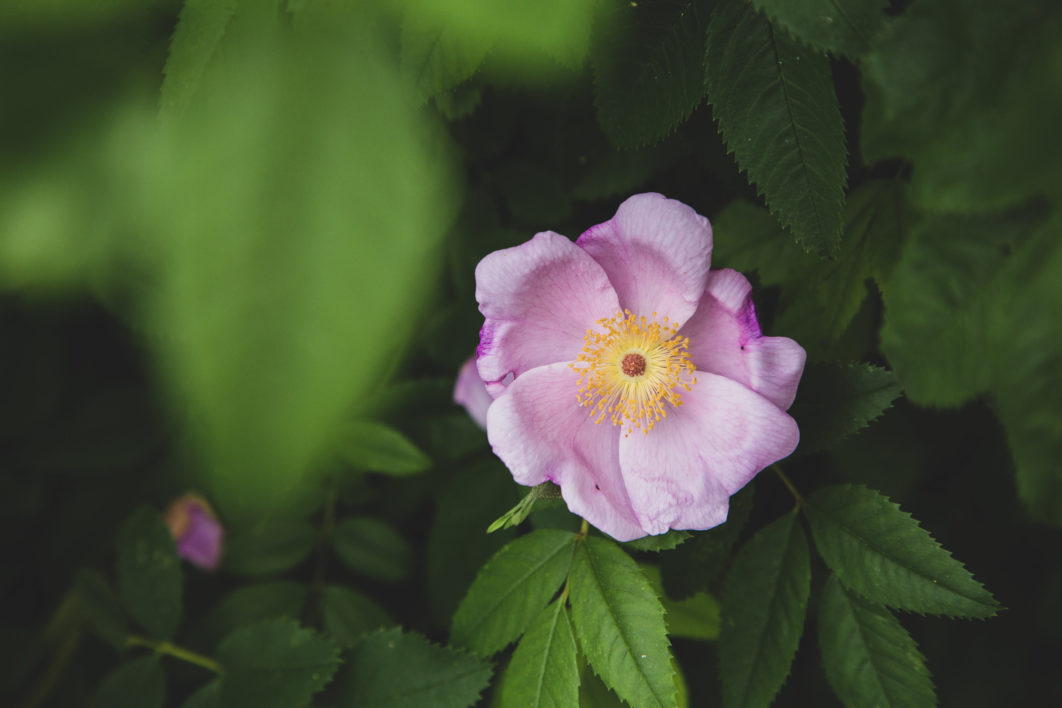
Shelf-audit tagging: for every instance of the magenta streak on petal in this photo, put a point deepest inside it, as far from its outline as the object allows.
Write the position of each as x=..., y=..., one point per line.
x=750, y=326
x=486, y=338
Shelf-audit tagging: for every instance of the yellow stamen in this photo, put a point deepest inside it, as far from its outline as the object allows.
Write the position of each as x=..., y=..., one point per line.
x=630, y=368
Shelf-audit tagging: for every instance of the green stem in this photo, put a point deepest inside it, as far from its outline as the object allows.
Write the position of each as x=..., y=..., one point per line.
x=583, y=530
x=789, y=485
x=164, y=647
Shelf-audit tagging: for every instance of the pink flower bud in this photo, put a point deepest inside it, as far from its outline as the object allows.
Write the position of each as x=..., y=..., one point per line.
x=197, y=531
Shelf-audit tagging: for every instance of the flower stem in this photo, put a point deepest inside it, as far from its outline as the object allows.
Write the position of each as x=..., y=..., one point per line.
x=583, y=530
x=164, y=647
x=789, y=485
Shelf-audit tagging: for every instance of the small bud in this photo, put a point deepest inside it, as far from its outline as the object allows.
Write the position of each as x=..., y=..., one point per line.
x=197, y=531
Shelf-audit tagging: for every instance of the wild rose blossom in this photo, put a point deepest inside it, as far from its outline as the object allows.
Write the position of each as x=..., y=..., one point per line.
x=197, y=531
x=471, y=393
x=629, y=374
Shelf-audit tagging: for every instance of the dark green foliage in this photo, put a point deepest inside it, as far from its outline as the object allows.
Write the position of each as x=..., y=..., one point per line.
x=404, y=670
x=544, y=671
x=777, y=110
x=620, y=625
x=274, y=664
x=139, y=683
x=869, y=657
x=647, y=68
x=248, y=605
x=882, y=553
x=763, y=613
x=347, y=614
x=663, y=542
x=205, y=697
x=835, y=401
x=149, y=573
x=268, y=547
x=100, y=608
x=843, y=27
x=373, y=548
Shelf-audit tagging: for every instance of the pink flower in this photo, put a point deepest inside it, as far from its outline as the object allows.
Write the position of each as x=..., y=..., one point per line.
x=643, y=386
x=471, y=393
x=196, y=530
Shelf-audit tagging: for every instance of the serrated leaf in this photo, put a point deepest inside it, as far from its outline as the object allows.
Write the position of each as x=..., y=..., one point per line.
x=647, y=69
x=149, y=573
x=348, y=614
x=375, y=447
x=400, y=669
x=841, y=27
x=511, y=589
x=248, y=605
x=763, y=612
x=200, y=28
x=778, y=113
x=620, y=625
x=274, y=664
x=372, y=547
x=100, y=608
x=268, y=547
x=882, y=553
x=748, y=238
x=544, y=671
x=837, y=400
x=663, y=542
x=695, y=617
x=139, y=683
x=436, y=56
x=869, y=658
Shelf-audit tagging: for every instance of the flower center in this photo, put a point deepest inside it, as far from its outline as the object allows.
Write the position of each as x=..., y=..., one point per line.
x=630, y=368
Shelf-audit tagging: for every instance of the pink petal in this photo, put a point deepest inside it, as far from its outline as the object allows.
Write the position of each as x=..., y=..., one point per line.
x=471, y=392
x=541, y=433
x=681, y=473
x=539, y=298
x=725, y=339
x=656, y=252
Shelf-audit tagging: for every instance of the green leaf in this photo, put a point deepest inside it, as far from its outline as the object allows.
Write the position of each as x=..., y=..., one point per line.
x=375, y=447
x=209, y=696
x=249, y=605
x=139, y=683
x=882, y=553
x=544, y=671
x=100, y=608
x=274, y=664
x=778, y=113
x=620, y=625
x=695, y=617
x=268, y=548
x=541, y=495
x=842, y=27
x=200, y=28
x=397, y=669
x=149, y=573
x=372, y=547
x=647, y=69
x=436, y=56
x=869, y=658
x=459, y=102
x=619, y=173
x=748, y=238
x=511, y=589
x=763, y=613
x=663, y=542
x=835, y=401
x=348, y=614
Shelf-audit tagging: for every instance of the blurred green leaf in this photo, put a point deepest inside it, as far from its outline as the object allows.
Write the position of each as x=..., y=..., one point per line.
x=459, y=102
x=749, y=239
x=619, y=173
x=647, y=69
x=372, y=547
x=544, y=671
x=882, y=553
x=404, y=670
x=139, y=683
x=274, y=664
x=268, y=547
x=348, y=614
x=436, y=56
x=837, y=400
x=763, y=613
x=511, y=589
x=619, y=622
x=778, y=113
x=100, y=608
x=842, y=27
x=869, y=658
x=200, y=28
x=695, y=617
x=375, y=447
x=248, y=605
x=209, y=696
x=149, y=573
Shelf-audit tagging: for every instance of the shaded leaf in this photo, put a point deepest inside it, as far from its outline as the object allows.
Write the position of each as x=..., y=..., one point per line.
x=404, y=670
x=763, y=613
x=511, y=589
x=778, y=113
x=348, y=614
x=695, y=617
x=274, y=664
x=248, y=605
x=842, y=27
x=663, y=542
x=544, y=670
x=748, y=238
x=372, y=547
x=869, y=658
x=138, y=683
x=149, y=573
x=100, y=608
x=375, y=447
x=882, y=553
x=269, y=547
x=209, y=696
x=620, y=625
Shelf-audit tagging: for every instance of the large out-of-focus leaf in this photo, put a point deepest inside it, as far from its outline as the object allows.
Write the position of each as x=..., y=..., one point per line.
x=436, y=57
x=778, y=113
x=286, y=292
x=139, y=682
x=838, y=26
x=149, y=573
x=200, y=29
